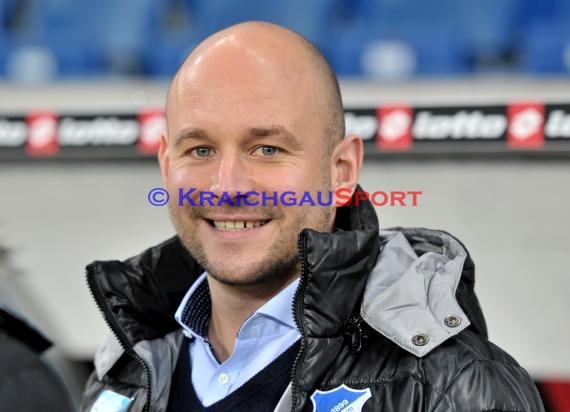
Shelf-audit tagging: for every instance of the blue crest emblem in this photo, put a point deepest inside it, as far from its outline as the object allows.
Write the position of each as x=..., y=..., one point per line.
x=109, y=401
x=341, y=399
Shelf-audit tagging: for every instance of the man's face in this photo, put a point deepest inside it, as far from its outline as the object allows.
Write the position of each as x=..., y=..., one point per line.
x=248, y=126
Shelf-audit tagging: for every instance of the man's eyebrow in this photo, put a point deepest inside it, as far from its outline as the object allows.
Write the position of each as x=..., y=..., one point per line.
x=190, y=133
x=278, y=131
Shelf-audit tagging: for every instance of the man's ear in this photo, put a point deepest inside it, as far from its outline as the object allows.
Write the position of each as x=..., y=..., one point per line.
x=163, y=158
x=346, y=163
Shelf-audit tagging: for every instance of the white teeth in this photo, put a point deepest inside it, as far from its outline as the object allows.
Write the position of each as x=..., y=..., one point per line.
x=238, y=224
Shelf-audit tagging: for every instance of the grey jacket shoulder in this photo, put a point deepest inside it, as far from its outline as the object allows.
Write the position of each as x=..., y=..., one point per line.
x=413, y=299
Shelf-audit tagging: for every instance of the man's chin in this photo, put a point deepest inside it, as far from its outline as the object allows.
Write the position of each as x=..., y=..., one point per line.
x=237, y=280
x=254, y=275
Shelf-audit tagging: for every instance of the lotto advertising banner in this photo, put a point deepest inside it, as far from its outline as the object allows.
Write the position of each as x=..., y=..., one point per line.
x=48, y=134
x=519, y=127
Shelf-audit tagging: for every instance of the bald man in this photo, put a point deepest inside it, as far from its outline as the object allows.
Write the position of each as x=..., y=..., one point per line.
x=260, y=305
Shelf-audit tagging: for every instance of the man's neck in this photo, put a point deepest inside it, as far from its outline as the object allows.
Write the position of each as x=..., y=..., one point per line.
x=231, y=307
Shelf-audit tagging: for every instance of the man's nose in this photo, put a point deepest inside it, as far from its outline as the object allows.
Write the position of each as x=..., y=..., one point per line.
x=232, y=175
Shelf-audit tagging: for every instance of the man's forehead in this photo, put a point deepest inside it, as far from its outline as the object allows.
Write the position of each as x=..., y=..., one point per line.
x=253, y=50
x=254, y=39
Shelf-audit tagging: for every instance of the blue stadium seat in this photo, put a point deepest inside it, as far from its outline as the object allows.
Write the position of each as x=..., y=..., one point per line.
x=3, y=16
x=344, y=50
x=123, y=29
x=533, y=10
x=57, y=28
x=419, y=37
x=307, y=17
x=408, y=12
x=447, y=36
x=93, y=37
x=396, y=54
x=173, y=36
x=164, y=56
x=545, y=48
x=70, y=56
x=5, y=47
x=561, y=10
x=490, y=27
x=4, y=44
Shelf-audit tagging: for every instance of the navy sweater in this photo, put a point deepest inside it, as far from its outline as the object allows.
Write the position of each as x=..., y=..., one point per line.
x=260, y=394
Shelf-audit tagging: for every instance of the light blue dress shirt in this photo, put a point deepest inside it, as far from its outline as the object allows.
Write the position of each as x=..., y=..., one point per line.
x=264, y=336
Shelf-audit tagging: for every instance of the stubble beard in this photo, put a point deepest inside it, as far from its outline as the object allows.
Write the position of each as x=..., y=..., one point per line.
x=281, y=262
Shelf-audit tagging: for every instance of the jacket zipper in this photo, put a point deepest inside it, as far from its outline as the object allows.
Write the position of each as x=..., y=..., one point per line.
x=118, y=332
x=297, y=307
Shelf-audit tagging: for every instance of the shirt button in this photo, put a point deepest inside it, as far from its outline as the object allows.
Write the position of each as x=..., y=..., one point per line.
x=223, y=378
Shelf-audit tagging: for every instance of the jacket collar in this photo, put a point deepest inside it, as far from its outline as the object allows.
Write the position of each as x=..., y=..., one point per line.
x=139, y=296
x=410, y=295
x=335, y=269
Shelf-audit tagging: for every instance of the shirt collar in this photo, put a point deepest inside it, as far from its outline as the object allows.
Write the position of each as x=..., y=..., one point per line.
x=280, y=307
x=193, y=313
x=195, y=309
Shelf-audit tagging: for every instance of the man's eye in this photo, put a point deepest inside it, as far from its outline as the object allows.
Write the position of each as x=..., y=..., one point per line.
x=201, y=152
x=267, y=150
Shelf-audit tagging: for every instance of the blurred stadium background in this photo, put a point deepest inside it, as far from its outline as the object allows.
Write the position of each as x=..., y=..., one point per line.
x=468, y=102
x=62, y=39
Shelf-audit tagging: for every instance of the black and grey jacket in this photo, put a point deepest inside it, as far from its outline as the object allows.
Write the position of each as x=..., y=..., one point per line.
x=393, y=316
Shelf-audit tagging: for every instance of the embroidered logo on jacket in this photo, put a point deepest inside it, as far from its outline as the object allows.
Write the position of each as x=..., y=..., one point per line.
x=341, y=399
x=109, y=401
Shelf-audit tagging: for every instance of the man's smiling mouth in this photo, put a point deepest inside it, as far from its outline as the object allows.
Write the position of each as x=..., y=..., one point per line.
x=232, y=225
